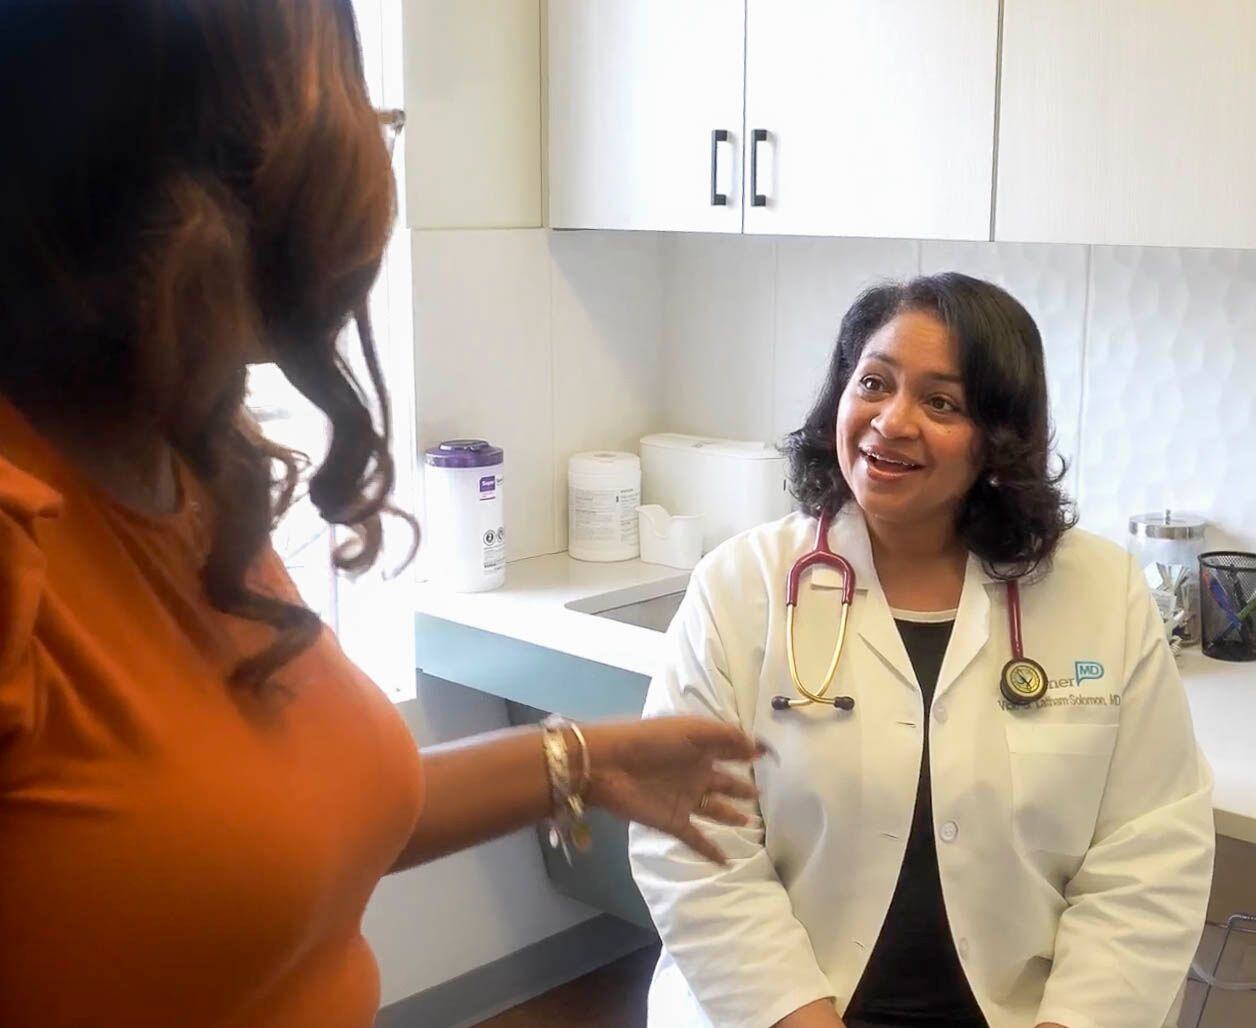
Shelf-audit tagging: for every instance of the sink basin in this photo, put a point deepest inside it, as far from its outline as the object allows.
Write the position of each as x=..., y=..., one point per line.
x=649, y=606
x=656, y=613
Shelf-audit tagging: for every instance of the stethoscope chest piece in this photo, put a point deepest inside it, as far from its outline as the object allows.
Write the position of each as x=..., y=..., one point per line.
x=1023, y=681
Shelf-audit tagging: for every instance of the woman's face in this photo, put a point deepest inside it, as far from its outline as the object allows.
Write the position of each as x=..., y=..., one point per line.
x=905, y=443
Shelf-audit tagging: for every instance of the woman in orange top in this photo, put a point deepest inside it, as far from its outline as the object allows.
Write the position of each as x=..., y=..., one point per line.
x=198, y=792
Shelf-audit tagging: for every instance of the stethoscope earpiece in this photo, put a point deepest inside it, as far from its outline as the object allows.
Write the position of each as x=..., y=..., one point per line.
x=781, y=703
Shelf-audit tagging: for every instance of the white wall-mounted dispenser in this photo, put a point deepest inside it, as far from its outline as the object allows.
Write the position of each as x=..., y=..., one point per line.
x=733, y=485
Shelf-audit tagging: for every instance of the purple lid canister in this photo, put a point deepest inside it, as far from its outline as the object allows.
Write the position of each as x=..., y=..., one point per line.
x=463, y=453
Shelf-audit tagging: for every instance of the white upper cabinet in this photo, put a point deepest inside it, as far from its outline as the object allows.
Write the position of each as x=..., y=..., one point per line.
x=1120, y=121
x=878, y=116
x=1128, y=121
x=640, y=93
x=473, y=110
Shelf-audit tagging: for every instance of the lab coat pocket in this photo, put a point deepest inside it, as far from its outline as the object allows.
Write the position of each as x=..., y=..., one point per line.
x=1058, y=775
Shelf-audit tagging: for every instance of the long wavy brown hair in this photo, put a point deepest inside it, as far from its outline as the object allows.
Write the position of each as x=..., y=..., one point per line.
x=187, y=178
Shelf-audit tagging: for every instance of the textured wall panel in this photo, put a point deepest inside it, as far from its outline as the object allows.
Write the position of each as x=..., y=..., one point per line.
x=1151, y=355
x=1051, y=282
x=1169, y=417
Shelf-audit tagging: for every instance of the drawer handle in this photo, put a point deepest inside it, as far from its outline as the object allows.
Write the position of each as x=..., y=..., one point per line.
x=718, y=136
x=757, y=199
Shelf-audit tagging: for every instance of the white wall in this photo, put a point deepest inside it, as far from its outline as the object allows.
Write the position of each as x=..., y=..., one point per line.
x=1151, y=355
x=544, y=343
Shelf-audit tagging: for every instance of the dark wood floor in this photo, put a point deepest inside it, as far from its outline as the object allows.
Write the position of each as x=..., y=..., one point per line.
x=610, y=997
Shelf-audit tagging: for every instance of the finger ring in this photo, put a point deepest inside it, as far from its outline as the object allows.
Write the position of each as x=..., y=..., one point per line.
x=702, y=803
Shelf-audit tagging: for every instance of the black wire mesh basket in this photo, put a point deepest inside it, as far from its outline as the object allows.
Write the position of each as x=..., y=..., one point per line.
x=1227, y=604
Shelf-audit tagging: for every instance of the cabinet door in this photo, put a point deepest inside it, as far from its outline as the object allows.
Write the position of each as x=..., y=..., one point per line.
x=473, y=109
x=636, y=89
x=1128, y=121
x=878, y=116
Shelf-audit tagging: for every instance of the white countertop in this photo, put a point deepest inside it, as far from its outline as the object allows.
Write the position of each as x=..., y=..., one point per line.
x=532, y=607
x=1223, y=706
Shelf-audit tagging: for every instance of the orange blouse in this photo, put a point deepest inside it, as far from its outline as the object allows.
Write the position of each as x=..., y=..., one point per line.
x=174, y=851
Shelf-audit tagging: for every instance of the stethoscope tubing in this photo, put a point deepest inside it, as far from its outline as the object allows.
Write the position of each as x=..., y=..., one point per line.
x=1014, y=619
x=821, y=554
x=1032, y=689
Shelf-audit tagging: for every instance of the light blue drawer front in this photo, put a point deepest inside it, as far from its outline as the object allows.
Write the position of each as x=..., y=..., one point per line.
x=524, y=673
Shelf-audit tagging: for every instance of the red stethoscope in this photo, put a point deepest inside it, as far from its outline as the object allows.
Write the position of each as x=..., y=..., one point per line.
x=1022, y=682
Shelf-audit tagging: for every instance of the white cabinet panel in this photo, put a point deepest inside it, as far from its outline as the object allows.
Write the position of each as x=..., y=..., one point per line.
x=473, y=113
x=879, y=116
x=636, y=88
x=1128, y=121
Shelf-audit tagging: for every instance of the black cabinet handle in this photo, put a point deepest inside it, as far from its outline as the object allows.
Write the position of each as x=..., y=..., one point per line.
x=718, y=136
x=757, y=199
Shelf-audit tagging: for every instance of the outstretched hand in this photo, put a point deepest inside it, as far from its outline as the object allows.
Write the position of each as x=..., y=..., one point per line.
x=661, y=773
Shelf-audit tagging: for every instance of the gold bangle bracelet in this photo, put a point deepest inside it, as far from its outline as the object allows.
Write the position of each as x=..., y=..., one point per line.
x=567, y=826
x=586, y=761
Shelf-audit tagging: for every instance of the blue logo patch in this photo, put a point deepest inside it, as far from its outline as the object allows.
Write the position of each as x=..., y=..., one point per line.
x=1087, y=670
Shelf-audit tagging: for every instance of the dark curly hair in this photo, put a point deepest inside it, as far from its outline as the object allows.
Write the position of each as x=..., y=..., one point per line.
x=186, y=176
x=1015, y=513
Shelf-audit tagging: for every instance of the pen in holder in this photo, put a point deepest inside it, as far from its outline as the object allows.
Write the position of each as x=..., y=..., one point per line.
x=1228, y=604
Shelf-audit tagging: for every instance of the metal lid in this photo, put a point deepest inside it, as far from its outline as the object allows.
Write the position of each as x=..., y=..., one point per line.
x=1167, y=525
x=463, y=453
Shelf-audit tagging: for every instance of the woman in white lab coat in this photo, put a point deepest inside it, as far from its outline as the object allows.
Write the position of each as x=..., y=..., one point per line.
x=938, y=854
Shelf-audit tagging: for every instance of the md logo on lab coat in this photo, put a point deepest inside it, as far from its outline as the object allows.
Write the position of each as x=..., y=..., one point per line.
x=1087, y=670
x=1083, y=671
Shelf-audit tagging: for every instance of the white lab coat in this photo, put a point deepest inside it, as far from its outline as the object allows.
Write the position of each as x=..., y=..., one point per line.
x=1075, y=839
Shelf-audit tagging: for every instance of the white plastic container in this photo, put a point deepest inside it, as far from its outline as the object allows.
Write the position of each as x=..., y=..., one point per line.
x=464, y=531
x=673, y=540
x=733, y=485
x=603, y=493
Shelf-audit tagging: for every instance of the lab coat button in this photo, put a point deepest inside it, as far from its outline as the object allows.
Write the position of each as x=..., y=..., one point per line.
x=939, y=712
x=949, y=831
